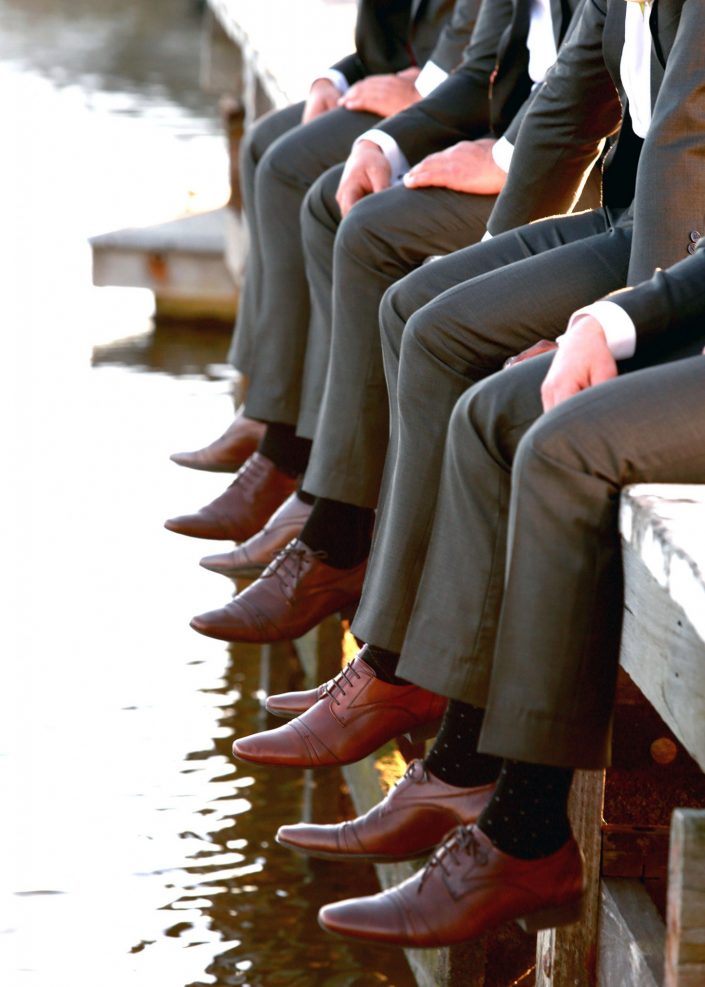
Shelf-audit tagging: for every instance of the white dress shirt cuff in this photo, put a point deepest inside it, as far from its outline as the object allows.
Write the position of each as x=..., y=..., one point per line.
x=486, y=236
x=430, y=76
x=337, y=78
x=502, y=153
x=391, y=150
x=617, y=326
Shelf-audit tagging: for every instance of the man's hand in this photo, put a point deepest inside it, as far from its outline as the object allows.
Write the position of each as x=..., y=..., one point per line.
x=323, y=96
x=366, y=171
x=384, y=95
x=538, y=349
x=583, y=360
x=466, y=167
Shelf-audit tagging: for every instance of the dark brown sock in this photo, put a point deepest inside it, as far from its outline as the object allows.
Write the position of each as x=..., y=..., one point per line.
x=384, y=663
x=341, y=532
x=288, y=451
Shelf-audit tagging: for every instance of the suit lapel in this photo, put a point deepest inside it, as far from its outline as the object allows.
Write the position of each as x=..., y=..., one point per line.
x=613, y=39
x=665, y=17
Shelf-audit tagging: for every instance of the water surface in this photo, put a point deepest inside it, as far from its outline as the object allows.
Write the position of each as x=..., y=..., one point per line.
x=133, y=850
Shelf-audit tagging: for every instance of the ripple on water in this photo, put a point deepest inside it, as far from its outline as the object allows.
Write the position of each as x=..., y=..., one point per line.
x=137, y=851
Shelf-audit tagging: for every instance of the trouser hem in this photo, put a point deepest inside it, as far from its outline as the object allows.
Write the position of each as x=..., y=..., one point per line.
x=345, y=485
x=538, y=737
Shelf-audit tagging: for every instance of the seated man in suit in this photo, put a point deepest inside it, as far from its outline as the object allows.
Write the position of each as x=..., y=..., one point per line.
x=464, y=335
x=519, y=611
x=513, y=43
x=403, y=49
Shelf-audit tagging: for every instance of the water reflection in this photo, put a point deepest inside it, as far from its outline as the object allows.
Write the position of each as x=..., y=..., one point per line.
x=132, y=849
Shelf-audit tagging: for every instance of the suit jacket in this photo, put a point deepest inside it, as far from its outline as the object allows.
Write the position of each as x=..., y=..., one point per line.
x=391, y=35
x=668, y=310
x=659, y=183
x=487, y=91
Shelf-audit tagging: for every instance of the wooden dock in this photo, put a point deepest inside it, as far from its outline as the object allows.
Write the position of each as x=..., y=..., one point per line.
x=183, y=262
x=194, y=264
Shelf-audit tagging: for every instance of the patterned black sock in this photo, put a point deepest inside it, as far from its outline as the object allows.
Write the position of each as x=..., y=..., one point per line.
x=285, y=448
x=454, y=757
x=342, y=531
x=384, y=663
x=527, y=816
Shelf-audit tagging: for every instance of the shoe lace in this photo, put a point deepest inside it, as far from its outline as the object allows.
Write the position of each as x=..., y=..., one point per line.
x=412, y=768
x=342, y=680
x=249, y=473
x=287, y=566
x=461, y=840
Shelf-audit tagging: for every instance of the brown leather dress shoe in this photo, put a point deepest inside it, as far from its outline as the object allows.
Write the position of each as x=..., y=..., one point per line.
x=466, y=888
x=257, y=490
x=357, y=714
x=292, y=595
x=228, y=452
x=254, y=555
x=409, y=822
x=287, y=705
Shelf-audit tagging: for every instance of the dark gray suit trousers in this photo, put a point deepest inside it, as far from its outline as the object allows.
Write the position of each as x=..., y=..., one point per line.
x=445, y=327
x=350, y=264
x=520, y=603
x=280, y=159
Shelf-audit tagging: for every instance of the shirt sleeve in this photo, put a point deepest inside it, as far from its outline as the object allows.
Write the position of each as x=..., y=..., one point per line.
x=430, y=76
x=502, y=153
x=337, y=78
x=391, y=150
x=617, y=326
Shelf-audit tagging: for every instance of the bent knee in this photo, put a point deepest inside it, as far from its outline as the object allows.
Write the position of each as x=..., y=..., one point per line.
x=561, y=441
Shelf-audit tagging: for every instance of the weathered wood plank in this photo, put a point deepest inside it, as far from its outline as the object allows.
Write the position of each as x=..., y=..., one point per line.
x=685, y=941
x=663, y=654
x=566, y=957
x=631, y=936
x=663, y=522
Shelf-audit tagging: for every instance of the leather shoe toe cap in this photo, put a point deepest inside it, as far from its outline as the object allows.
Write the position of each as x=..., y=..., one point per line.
x=235, y=622
x=355, y=919
x=196, y=526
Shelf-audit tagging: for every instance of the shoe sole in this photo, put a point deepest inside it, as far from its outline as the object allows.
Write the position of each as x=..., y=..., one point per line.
x=548, y=918
x=241, y=572
x=230, y=468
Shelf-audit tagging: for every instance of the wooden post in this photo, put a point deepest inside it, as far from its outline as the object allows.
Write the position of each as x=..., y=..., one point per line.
x=566, y=957
x=685, y=938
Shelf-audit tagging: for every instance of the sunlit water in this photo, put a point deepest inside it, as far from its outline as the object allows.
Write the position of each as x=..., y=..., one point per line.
x=133, y=850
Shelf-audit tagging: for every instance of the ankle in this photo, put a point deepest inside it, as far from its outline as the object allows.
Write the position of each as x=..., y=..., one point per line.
x=527, y=816
x=383, y=663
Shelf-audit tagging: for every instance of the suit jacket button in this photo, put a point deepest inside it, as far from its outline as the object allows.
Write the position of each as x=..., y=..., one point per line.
x=691, y=248
x=695, y=236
